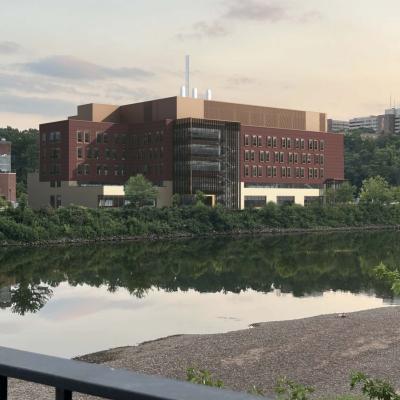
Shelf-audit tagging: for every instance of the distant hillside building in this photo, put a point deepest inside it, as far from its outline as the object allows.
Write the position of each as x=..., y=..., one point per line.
x=239, y=155
x=370, y=122
x=7, y=178
x=337, y=126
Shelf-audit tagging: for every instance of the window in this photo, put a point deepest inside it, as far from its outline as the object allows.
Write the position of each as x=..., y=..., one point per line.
x=283, y=142
x=321, y=159
x=288, y=172
x=79, y=136
x=107, y=153
x=80, y=169
x=315, y=173
x=254, y=140
x=302, y=142
x=58, y=183
x=266, y=157
x=297, y=172
x=55, y=154
x=86, y=169
x=105, y=137
x=247, y=140
x=276, y=156
x=297, y=143
x=255, y=201
x=308, y=158
x=322, y=145
x=321, y=173
x=99, y=137
x=96, y=153
x=304, y=158
x=310, y=144
x=302, y=172
x=44, y=138
x=123, y=157
x=269, y=171
x=296, y=158
x=79, y=152
x=254, y=170
x=289, y=143
x=260, y=168
x=246, y=170
x=52, y=201
x=259, y=141
x=269, y=141
x=105, y=170
x=285, y=200
x=87, y=137
x=281, y=157
x=58, y=200
x=99, y=169
x=290, y=158
x=316, y=158
x=275, y=142
x=261, y=156
x=310, y=173
x=52, y=184
x=253, y=155
x=247, y=155
x=274, y=171
x=283, y=172
x=315, y=144
x=89, y=153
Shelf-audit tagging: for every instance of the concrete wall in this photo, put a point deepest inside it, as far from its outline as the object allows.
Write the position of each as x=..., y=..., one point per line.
x=273, y=193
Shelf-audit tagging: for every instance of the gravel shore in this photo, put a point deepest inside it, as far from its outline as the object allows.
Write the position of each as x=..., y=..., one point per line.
x=320, y=351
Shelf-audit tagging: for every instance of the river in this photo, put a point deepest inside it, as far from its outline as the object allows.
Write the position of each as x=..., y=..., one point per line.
x=73, y=300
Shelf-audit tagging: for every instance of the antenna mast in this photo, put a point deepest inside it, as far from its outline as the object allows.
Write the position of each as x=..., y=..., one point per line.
x=187, y=75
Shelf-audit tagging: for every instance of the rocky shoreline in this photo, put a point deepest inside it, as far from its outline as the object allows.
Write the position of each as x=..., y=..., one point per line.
x=320, y=351
x=183, y=236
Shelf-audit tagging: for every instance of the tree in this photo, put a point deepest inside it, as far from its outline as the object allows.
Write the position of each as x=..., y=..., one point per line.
x=375, y=190
x=140, y=192
x=343, y=194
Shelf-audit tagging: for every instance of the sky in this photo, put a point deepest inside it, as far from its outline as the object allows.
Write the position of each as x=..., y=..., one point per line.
x=333, y=56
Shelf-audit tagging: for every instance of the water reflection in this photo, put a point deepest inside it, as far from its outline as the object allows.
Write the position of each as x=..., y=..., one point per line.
x=306, y=265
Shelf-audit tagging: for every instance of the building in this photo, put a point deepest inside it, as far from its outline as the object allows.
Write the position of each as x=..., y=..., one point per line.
x=7, y=178
x=395, y=114
x=337, y=126
x=370, y=122
x=239, y=155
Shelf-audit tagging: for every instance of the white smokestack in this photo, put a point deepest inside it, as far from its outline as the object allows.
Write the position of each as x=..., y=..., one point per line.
x=209, y=94
x=194, y=93
x=183, y=91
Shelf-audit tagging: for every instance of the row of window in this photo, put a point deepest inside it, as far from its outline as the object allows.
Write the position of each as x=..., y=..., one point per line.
x=51, y=137
x=285, y=172
x=285, y=142
x=94, y=153
x=84, y=136
x=292, y=158
x=117, y=170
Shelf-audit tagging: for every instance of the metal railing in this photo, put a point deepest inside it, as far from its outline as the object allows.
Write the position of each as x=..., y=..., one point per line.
x=68, y=376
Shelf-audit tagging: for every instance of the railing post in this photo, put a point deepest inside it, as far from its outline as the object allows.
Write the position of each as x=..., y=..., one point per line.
x=62, y=394
x=3, y=388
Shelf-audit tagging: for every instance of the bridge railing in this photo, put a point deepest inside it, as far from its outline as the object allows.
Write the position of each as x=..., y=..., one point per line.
x=69, y=376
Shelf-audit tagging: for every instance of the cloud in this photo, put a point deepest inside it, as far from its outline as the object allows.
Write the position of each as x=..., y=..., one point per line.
x=310, y=16
x=203, y=29
x=73, y=68
x=9, y=47
x=256, y=10
x=35, y=105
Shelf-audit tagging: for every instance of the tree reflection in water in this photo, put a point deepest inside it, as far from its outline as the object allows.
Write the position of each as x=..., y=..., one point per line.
x=299, y=264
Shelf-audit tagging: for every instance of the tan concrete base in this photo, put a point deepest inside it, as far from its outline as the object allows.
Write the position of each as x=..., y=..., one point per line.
x=71, y=193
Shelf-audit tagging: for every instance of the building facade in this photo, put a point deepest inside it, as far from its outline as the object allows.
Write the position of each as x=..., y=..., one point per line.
x=239, y=155
x=7, y=178
x=370, y=122
x=337, y=126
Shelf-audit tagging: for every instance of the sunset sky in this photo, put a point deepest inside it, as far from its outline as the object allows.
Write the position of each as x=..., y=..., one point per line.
x=333, y=56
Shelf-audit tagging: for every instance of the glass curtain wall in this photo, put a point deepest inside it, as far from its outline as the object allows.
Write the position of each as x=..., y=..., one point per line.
x=206, y=159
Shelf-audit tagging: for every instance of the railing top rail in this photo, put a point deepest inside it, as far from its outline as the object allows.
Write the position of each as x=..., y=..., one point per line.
x=103, y=381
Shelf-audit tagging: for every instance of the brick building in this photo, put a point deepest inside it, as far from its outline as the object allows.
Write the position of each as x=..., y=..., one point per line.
x=7, y=178
x=239, y=155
